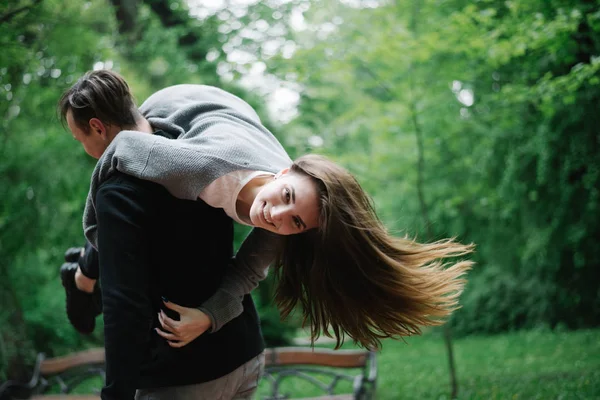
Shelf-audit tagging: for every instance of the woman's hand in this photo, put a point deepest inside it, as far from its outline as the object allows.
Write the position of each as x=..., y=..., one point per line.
x=192, y=323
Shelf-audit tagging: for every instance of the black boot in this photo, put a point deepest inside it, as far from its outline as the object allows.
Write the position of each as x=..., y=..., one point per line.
x=72, y=254
x=82, y=307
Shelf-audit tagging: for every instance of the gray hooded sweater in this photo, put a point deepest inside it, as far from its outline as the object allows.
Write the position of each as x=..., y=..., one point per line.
x=216, y=133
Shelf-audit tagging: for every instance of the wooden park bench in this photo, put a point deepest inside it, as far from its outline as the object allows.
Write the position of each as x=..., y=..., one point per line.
x=321, y=368
x=65, y=372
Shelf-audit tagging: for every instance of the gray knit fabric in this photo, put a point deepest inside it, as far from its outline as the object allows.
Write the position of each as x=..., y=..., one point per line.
x=217, y=133
x=243, y=275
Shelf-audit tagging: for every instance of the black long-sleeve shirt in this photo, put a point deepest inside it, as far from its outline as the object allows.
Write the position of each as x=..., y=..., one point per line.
x=151, y=245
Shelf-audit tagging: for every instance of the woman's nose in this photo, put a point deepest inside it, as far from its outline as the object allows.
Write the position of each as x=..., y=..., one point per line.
x=278, y=212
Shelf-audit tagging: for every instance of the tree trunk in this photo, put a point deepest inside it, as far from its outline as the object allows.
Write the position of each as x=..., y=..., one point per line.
x=126, y=12
x=421, y=196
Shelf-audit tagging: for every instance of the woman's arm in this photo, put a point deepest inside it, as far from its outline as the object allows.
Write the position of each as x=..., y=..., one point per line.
x=243, y=274
x=245, y=271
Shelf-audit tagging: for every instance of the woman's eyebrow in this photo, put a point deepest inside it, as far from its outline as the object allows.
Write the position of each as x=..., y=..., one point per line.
x=294, y=202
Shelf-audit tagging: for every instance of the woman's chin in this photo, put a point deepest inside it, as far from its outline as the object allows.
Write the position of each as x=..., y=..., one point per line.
x=254, y=221
x=253, y=215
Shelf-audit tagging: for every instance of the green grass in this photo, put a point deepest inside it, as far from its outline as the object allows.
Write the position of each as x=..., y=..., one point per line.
x=525, y=365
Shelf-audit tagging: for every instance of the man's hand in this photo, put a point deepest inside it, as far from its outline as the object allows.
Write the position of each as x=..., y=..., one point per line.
x=192, y=323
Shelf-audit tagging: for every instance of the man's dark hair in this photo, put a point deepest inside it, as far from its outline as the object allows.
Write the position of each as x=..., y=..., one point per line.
x=99, y=94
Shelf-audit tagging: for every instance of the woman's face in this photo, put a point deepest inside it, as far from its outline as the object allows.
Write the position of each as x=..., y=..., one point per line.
x=287, y=205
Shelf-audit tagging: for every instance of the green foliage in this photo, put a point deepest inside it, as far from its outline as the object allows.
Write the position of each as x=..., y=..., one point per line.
x=43, y=174
x=525, y=303
x=275, y=331
x=504, y=96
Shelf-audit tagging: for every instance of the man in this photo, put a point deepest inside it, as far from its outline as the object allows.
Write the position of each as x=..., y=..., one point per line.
x=151, y=251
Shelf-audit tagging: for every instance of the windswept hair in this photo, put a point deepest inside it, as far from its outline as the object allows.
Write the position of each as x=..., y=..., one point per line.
x=351, y=277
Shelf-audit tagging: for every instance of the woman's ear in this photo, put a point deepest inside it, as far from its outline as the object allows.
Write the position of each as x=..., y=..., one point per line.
x=282, y=172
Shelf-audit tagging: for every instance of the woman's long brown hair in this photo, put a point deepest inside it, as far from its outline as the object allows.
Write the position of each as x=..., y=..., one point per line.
x=351, y=277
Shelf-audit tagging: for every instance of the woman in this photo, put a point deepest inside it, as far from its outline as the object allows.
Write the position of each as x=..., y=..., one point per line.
x=333, y=256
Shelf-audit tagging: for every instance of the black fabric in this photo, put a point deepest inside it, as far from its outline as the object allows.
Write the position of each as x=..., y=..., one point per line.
x=152, y=245
x=89, y=262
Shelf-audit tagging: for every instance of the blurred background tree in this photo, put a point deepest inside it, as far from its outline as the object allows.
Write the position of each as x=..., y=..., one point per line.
x=505, y=94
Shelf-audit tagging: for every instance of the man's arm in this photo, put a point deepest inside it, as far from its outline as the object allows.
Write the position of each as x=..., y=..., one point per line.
x=124, y=213
x=244, y=272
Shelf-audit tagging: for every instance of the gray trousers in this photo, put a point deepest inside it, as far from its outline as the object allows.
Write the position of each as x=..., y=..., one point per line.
x=241, y=384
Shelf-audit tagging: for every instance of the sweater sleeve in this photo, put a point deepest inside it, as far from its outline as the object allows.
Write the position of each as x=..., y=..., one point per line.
x=245, y=271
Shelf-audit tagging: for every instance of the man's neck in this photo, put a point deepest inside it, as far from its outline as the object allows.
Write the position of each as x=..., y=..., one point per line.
x=143, y=126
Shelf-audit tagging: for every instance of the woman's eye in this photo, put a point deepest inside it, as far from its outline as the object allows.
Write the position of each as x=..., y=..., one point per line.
x=287, y=195
x=296, y=222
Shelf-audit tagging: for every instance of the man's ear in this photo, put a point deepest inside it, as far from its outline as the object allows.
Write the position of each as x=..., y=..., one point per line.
x=98, y=127
x=282, y=172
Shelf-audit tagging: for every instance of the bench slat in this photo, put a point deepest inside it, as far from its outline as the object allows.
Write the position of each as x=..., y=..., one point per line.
x=60, y=364
x=308, y=356
x=65, y=397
